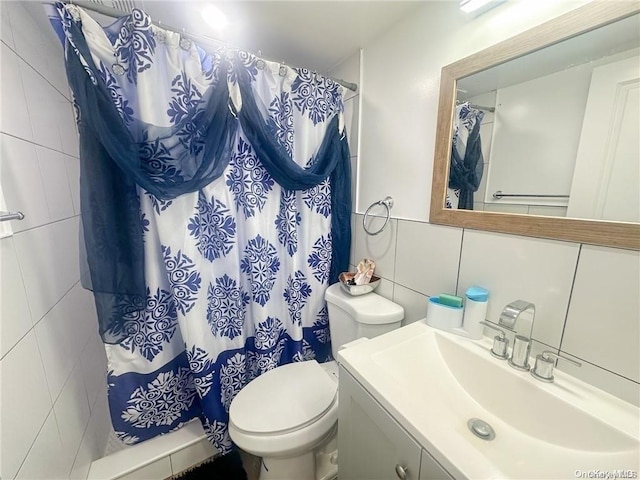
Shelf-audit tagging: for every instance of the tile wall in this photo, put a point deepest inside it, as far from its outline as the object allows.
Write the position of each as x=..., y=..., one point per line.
x=587, y=298
x=54, y=417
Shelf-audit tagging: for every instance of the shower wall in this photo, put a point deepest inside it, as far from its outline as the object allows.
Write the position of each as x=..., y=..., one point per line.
x=54, y=417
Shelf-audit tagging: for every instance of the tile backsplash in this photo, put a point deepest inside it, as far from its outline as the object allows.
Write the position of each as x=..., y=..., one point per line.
x=586, y=297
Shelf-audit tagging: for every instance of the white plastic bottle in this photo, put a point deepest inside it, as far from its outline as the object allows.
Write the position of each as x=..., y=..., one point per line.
x=475, y=311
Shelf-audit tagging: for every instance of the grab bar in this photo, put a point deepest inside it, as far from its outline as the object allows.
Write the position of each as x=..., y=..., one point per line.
x=498, y=195
x=388, y=204
x=6, y=216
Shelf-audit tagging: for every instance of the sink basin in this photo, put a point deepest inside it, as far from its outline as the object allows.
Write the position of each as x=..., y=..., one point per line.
x=433, y=382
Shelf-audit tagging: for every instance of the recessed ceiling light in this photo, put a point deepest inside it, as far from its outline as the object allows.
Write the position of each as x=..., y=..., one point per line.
x=214, y=17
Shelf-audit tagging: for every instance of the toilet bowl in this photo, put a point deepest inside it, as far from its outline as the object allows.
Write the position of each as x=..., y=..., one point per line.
x=288, y=416
x=283, y=415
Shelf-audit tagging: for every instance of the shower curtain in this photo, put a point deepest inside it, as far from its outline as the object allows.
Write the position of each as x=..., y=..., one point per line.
x=467, y=164
x=215, y=210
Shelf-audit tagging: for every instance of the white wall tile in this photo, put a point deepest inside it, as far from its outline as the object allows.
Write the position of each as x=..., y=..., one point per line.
x=94, y=440
x=62, y=334
x=46, y=108
x=380, y=248
x=82, y=462
x=73, y=174
x=5, y=25
x=504, y=208
x=414, y=303
x=72, y=414
x=603, y=324
x=548, y=211
x=35, y=40
x=25, y=403
x=41, y=261
x=427, y=257
x=15, y=317
x=14, y=117
x=100, y=423
x=68, y=131
x=22, y=183
x=48, y=258
x=94, y=366
x=27, y=45
x=192, y=455
x=50, y=62
x=53, y=167
x=385, y=289
x=5, y=227
x=603, y=379
x=154, y=471
x=45, y=460
x=512, y=268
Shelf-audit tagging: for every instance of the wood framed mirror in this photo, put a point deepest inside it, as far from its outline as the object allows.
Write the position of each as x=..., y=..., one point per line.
x=620, y=234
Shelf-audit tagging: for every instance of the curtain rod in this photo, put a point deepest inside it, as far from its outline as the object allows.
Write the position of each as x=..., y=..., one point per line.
x=477, y=107
x=115, y=13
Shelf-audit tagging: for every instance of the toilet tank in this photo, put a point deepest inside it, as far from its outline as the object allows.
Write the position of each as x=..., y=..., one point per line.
x=352, y=317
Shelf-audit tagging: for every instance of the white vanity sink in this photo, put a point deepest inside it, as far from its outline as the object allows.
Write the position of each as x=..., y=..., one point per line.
x=433, y=382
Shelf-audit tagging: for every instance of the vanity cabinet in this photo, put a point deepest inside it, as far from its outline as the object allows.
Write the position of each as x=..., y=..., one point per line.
x=372, y=445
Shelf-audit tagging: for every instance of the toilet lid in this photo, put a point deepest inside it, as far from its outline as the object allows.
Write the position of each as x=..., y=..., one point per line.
x=284, y=398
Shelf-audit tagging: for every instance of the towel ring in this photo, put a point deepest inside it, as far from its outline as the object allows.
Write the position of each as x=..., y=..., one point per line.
x=388, y=204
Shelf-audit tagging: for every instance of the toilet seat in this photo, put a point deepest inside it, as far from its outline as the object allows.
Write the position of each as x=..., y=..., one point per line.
x=265, y=423
x=284, y=399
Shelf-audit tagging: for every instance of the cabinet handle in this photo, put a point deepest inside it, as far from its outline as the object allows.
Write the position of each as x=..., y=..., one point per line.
x=402, y=472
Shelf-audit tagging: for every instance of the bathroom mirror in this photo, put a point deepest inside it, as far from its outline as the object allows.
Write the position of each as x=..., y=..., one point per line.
x=513, y=78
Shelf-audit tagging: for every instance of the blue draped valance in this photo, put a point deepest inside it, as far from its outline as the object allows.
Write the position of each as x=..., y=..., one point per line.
x=113, y=164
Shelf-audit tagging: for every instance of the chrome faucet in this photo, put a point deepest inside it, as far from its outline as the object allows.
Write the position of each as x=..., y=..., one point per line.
x=512, y=311
x=521, y=343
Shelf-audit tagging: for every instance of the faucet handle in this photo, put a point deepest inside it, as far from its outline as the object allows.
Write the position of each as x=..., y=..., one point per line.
x=500, y=342
x=545, y=361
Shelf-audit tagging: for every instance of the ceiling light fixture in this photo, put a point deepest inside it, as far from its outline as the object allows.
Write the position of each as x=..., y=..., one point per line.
x=468, y=6
x=214, y=17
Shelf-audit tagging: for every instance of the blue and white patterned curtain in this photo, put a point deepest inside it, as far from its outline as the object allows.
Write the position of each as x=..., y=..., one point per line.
x=467, y=164
x=235, y=271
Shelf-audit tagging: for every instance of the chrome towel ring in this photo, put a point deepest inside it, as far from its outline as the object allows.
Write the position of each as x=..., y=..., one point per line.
x=386, y=203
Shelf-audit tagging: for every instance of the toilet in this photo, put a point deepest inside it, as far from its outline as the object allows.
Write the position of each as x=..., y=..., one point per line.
x=288, y=416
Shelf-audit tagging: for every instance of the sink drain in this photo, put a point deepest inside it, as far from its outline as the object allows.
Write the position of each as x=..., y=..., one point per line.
x=481, y=429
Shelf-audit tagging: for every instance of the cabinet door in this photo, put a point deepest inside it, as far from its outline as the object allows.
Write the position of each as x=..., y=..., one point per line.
x=431, y=470
x=371, y=443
